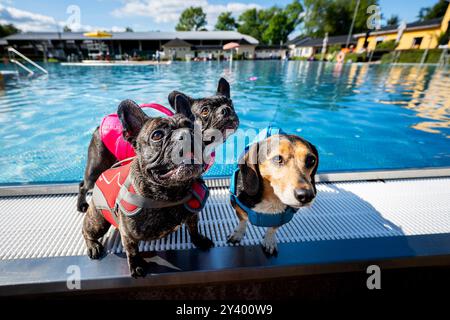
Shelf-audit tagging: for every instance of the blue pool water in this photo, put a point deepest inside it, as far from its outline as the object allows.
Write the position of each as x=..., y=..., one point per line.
x=360, y=117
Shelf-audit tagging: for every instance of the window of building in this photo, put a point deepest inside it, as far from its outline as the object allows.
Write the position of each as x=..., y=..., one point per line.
x=417, y=42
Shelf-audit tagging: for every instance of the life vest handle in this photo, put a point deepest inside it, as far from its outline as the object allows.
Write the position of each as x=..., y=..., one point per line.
x=158, y=107
x=119, y=163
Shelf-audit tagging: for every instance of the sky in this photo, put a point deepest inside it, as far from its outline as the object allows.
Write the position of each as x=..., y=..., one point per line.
x=147, y=15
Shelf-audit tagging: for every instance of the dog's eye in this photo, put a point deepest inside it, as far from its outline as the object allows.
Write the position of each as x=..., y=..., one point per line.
x=157, y=135
x=310, y=161
x=205, y=112
x=278, y=160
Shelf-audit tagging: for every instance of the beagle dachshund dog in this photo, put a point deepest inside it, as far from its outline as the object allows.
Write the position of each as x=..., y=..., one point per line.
x=274, y=176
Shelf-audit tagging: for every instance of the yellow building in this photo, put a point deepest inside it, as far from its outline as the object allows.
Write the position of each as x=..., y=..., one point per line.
x=416, y=35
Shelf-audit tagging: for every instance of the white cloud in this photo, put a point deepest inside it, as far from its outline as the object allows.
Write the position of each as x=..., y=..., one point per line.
x=30, y=21
x=115, y=29
x=160, y=11
x=25, y=20
x=169, y=10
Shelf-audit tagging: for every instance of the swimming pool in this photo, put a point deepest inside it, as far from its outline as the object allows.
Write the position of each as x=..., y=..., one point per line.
x=360, y=117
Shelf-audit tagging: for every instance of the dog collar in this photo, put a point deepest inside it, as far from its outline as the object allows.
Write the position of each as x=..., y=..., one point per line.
x=260, y=219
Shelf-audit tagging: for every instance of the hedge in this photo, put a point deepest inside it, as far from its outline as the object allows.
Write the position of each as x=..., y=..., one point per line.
x=413, y=56
x=386, y=45
x=298, y=58
x=355, y=57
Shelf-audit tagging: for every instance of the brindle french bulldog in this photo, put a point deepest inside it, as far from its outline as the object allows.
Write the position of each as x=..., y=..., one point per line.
x=215, y=112
x=155, y=176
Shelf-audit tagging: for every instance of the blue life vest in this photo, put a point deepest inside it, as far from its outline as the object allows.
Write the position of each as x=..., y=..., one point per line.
x=261, y=219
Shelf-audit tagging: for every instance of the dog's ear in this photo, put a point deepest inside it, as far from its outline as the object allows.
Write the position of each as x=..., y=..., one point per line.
x=132, y=118
x=313, y=173
x=223, y=88
x=175, y=93
x=183, y=106
x=249, y=171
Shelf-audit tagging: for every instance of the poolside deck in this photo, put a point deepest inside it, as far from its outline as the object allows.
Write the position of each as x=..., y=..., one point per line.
x=350, y=224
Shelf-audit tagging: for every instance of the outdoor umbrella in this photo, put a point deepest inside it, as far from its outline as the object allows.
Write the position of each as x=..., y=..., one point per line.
x=231, y=45
x=98, y=34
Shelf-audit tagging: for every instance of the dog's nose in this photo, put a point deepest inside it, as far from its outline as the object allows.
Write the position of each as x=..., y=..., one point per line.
x=304, y=195
x=226, y=111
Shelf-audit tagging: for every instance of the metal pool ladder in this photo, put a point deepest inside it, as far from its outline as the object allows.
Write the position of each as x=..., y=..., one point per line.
x=13, y=51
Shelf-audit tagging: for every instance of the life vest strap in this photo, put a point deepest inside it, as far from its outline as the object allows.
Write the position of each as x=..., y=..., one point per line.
x=200, y=194
x=141, y=202
x=115, y=194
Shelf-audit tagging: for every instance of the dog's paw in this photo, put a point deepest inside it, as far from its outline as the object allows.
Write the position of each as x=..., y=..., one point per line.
x=238, y=233
x=202, y=242
x=235, y=237
x=95, y=250
x=82, y=207
x=138, y=267
x=269, y=245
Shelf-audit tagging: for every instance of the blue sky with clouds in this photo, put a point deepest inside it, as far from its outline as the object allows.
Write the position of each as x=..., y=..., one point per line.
x=146, y=15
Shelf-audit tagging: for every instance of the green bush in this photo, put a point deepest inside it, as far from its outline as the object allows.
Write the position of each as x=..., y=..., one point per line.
x=386, y=45
x=413, y=56
x=318, y=56
x=298, y=58
x=387, y=57
x=238, y=56
x=433, y=56
x=331, y=56
x=410, y=56
x=355, y=57
x=334, y=48
x=444, y=38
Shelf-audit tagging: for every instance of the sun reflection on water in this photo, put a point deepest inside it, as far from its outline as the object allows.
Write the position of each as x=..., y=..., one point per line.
x=430, y=99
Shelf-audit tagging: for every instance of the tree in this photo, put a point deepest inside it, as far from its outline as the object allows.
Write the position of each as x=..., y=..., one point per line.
x=67, y=29
x=129, y=29
x=436, y=11
x=192, y=19
x=293, y=13
x=226, y=22
x=272, y=25
x=335, y=16
x=249, y=24
x=393, y=21
x=7, y=29
x=276, y=32
x=422, y=13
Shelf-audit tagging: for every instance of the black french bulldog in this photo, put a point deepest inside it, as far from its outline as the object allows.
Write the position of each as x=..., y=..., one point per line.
x=215, y=112
x=155, y=176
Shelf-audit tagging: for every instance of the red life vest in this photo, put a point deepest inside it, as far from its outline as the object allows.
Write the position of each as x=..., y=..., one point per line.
x=114, y=192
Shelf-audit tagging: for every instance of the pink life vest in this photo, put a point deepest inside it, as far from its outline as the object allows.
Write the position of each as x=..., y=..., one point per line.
x=111, y=135
x=114, y=190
